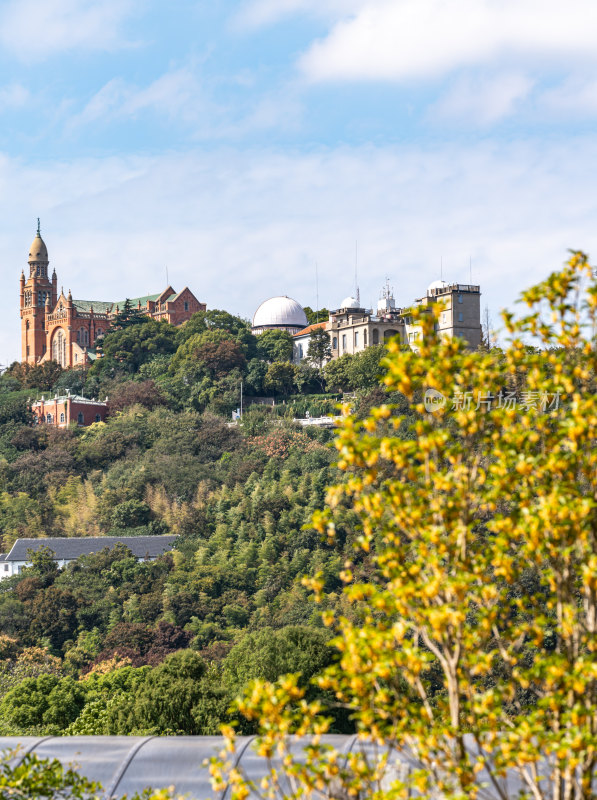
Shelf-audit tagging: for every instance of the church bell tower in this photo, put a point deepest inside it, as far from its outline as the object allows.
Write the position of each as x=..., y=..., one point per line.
x=38, y=298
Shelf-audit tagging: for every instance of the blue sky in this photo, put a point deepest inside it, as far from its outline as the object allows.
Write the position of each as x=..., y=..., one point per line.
x=240, y=143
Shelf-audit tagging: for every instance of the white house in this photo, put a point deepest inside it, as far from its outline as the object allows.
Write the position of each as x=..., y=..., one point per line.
x=67, y=550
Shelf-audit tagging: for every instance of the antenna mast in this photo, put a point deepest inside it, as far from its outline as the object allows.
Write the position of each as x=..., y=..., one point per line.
x=356, y=279
x=316, y=294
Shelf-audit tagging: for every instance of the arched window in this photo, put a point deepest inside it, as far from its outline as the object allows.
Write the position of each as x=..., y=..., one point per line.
x=49, y=418
x=59, y=348
x=99, y=332
x=83, y=337
x=80, y=418
x=62, y=419
x=335, y=343
x=375, y=336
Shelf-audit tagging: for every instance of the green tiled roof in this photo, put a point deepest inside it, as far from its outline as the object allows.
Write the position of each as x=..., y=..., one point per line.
x=134, y=301
x=102, y=307
x=98, y=305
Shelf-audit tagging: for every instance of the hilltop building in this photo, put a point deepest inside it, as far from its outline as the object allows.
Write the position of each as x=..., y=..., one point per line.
x=56, y=327
x=460, y=314
x=352, y=328
x=60, y=411
x=279, y=313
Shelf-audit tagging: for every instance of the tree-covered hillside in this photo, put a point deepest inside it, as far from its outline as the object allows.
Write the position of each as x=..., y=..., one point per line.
x=228, y=604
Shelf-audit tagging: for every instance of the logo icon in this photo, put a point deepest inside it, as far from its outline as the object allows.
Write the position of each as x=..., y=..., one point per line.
x=433, y=400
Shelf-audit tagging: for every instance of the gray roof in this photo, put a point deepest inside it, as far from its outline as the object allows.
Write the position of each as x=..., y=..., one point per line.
x=71, y=548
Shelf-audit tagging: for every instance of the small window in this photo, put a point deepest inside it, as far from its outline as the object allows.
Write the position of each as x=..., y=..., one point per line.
x=98, y=418
x=49, y=418
x=300, y=350
x=364, y=338
x=62, y=419
x=375, y=336
x=28, y=350
x=460, y=298
x=80, y=418
x=344, y=341
x=335, y=343
x=6, y=568
x=356, y=338
x=186, y=305
x=460, y=316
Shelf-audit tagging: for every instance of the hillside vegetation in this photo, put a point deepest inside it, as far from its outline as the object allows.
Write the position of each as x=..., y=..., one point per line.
x=85, y=649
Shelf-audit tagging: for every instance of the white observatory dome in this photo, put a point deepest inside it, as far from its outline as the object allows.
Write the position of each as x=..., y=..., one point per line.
x=349, y=302
x=280, y=312
x=436, y=285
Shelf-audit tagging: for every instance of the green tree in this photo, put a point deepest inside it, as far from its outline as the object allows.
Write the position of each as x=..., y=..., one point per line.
x=337, y=374
x=274, y=345
x=269, y=653
x=365, y=368
x=131, y=345
x=127, y=316
x=320, y=347
x=280, y=377
x=255, y=375
x=316, y=316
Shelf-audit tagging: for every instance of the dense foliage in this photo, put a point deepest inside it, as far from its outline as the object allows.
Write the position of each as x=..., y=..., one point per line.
x=110, y=645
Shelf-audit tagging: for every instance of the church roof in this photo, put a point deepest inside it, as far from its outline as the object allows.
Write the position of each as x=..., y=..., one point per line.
x=107, y=307
x=99, y=306
x=38, y=250
x=70, y=548
x=134, y=301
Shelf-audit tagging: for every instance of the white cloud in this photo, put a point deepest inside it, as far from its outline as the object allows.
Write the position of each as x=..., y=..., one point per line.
x=13, y=96
x=575, y=97
x=34, y=29
x=239, y=227
x=402, y=40
x=483, y=100
x=258, y=13
x=175, y=94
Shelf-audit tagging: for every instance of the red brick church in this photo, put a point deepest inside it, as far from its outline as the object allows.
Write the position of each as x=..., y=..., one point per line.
x=56, y=327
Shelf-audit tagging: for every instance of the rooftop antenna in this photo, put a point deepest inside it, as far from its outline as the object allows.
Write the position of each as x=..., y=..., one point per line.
x=316, y=294
x=38, y=227
x=356, y=280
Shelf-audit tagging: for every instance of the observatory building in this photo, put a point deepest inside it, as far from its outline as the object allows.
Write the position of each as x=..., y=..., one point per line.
x=279, y=313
